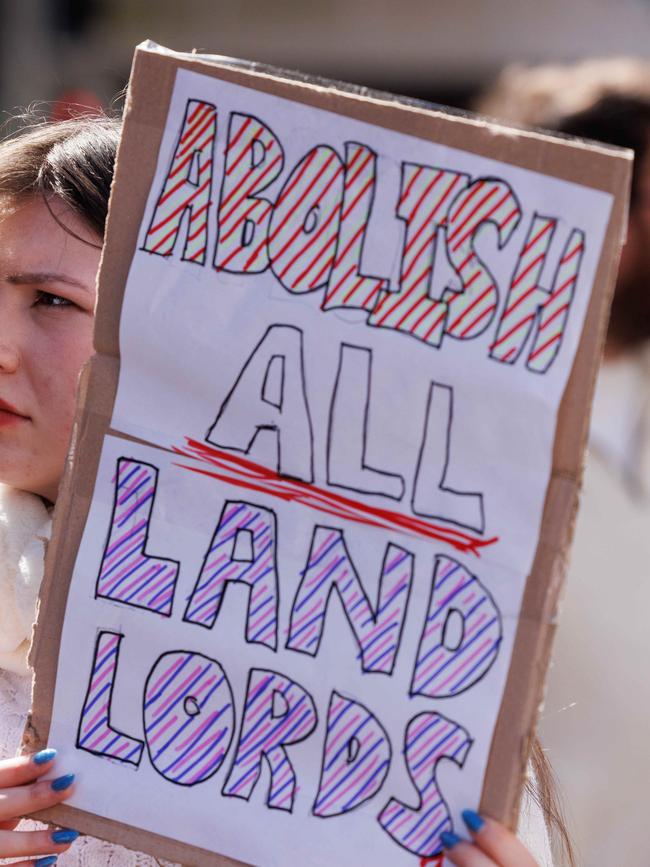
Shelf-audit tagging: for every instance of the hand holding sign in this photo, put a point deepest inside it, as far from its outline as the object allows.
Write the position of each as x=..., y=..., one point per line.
x=491, y=845
x=24, y=793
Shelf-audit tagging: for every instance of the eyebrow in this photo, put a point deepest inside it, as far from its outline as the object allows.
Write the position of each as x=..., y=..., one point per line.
x=24, y=278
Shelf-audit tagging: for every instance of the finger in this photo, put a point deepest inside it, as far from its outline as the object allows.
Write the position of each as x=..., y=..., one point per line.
x=22, y=800
x=16, y=843
x=497, y=841
x=25, y=769
x=39, y=862
x=9, y=825
x=464, y=854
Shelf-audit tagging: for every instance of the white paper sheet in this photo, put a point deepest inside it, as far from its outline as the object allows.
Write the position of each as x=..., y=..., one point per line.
x=188, y=337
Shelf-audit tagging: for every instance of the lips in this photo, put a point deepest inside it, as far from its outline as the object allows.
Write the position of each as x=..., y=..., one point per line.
x=8, y=408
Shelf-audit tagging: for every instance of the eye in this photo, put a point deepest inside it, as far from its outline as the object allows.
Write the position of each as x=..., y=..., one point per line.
x=48, y=299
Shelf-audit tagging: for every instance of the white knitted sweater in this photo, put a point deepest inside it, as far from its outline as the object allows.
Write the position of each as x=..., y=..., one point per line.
x=25, y=526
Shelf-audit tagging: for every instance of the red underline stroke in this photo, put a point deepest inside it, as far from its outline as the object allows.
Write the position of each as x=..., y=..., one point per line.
x=244, y=473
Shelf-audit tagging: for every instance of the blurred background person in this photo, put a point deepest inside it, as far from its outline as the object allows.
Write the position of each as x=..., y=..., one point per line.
x=597, y=712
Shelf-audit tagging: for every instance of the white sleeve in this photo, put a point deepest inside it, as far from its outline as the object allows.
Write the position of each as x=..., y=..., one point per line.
x=25, y=527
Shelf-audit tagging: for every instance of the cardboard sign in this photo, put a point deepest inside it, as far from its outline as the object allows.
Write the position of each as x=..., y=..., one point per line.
x=305, y=565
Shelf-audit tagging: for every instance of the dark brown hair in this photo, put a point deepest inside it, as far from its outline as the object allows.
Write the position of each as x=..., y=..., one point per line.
x=617, y=120
x=624, y=121
x=543, y=791
x=71, y=160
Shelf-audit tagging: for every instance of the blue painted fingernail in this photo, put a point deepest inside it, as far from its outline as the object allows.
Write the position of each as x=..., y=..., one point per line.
x=45, y=862
x=64, y=835
x=62, y=783
x=473, y=821
x=449, y=839
x=44, y=756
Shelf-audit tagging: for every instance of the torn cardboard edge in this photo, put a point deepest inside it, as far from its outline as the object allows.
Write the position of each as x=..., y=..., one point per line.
x=607, y=169
x=369, y=93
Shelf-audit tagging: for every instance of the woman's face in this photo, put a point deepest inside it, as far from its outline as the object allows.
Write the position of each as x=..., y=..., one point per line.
x=47, y=298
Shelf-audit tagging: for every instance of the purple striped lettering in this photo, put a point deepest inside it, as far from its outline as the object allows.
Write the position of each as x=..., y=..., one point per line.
x=449, y=664
x=127, y=573
x=329, y=568
x=96, y=734
x=356, y=758
x=277, y=712
x=223, y=564
x=188, y=717
x=430, y=738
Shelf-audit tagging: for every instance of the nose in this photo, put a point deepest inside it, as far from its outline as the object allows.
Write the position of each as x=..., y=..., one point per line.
x=9, y=356
x=11, y=333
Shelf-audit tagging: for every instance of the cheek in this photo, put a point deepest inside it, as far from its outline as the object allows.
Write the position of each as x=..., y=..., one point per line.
x=61, y=357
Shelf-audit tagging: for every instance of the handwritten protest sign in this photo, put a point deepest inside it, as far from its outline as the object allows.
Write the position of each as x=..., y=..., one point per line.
x=322, y=509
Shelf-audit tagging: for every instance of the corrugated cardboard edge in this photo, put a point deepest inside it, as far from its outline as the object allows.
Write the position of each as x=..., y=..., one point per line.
x=606, y=168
